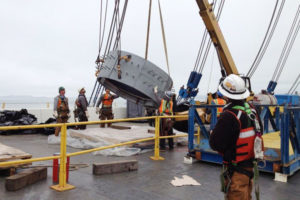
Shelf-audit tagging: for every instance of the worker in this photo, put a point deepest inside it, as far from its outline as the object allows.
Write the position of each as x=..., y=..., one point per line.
x=218, y=100
x=166, y=109
x=61, y=109
x=237, y=129
x=106, y=109
x=81, y=110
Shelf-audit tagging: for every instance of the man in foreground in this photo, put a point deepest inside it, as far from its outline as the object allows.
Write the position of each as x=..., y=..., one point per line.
x=234, y=135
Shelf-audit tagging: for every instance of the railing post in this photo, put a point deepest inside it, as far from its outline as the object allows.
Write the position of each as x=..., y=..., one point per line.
x=62, y=186
x=156, y=141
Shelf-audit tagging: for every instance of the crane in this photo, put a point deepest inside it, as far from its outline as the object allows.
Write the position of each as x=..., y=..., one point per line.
x=226, y=61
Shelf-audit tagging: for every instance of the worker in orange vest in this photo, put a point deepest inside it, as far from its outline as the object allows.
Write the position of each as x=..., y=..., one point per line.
x=237, y=137
x=106, y=109
x=166, y=108
x=61, y=109
x=218, y=100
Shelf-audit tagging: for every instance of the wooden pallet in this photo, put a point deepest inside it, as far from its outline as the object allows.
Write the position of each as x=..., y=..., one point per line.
x=8, y=153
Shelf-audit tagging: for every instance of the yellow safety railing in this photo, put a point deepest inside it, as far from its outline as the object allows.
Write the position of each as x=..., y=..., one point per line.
x=62, y=185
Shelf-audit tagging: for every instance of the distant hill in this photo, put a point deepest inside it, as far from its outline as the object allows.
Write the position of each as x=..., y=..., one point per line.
x=28, y=99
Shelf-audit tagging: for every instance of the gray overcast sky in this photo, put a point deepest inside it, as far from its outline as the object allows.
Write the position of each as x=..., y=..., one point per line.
x=49, y=43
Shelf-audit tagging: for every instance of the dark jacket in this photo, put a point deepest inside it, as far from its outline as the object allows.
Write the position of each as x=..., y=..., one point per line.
x=226, y=132
x=82, y=102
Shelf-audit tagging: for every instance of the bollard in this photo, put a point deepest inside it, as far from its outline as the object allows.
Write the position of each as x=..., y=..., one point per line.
x=3, y=105
x=55, y=169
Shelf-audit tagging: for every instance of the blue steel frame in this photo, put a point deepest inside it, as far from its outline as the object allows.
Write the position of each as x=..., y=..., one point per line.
x=287, y=122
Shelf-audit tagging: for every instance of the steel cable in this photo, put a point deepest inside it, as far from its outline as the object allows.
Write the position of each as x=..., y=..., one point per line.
x=208, y=46
x=203, y=41
x=268, y=42
x=295, y=88
x=285, y=45
x=121, y=22
x=293, y=85
x=288, y=51
x=269, y=38
x=264, y=43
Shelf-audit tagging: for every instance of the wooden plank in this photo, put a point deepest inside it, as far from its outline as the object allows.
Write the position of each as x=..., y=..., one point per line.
x=11, y=153
x=120, y=127
x=115, y=167
x=24, y=178
x=151, y=131
x=273, y=141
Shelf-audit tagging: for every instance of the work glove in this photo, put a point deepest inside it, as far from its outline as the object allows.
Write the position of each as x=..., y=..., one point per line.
x=97, y=110
x=87, y=114
x=155, y=89
x=55, y=115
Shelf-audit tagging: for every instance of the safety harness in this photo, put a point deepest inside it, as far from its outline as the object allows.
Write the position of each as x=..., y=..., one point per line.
x=246, y=150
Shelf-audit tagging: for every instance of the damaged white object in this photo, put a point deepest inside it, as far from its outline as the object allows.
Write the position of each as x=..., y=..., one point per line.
x=100, y=137
x=185, y=180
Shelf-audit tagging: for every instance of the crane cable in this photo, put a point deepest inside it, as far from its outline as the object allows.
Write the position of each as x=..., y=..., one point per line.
x=203, y=42
x=148, y=29
x=101, y=37
x=111, y=29
x=120, y=23
x=289, y=50
x=164, y=36
x=268, y=36
x=293, y=88
x=204, y=59
x=288, y=44
x=115, y=26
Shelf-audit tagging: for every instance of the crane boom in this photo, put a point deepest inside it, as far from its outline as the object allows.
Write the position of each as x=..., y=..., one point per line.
x=213, y=28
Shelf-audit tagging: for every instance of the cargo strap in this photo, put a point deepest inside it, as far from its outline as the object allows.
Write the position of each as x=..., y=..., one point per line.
x=164, y=36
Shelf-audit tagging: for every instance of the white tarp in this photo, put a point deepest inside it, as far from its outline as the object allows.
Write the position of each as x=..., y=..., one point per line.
x=98, y=137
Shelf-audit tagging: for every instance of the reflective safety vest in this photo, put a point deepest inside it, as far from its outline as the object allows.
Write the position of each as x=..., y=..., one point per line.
x=166, y=107
x=62, y=105
x=245, y=142
x=107, y=100
x=219, y=101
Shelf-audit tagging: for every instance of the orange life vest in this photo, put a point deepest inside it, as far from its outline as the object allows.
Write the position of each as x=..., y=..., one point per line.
x=166, y=107
x=219, y=101
x=245, y=142
x=107, y=100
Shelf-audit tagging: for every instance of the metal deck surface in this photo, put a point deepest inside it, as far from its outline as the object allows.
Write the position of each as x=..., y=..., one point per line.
x=151, y=181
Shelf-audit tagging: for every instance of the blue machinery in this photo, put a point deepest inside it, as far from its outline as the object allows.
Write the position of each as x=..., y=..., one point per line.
x=284, y=158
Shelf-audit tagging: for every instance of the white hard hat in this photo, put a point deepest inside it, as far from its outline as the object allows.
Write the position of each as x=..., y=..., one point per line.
x=234, y=87
x=168, y=94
